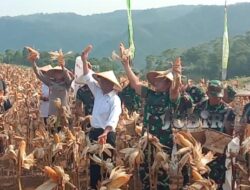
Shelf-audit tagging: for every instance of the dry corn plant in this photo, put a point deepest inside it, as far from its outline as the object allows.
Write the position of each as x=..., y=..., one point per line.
x=92, y=149
x=58, y=179
x=191, y=152
x=67, y=149
x=134, y=157
x=245, y=146
x=63, y=114
x=127, y=132
x=161, y=160
x=118, y=178
x=18, y=124
x=20, y=159
x=201, y=183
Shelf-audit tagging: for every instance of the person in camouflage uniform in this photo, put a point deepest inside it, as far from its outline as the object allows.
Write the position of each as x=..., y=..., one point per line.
x=246, y=112
x=159, y=105
x=229, y=94
x=129, y=97
x=84, y=97
x=197, y=94
x=217, y=115
x=185, y=106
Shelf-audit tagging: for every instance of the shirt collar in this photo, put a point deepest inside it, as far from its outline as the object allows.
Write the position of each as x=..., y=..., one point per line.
x=112, y=93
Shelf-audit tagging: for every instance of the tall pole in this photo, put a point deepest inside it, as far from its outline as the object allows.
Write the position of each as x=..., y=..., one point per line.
x=225, y=48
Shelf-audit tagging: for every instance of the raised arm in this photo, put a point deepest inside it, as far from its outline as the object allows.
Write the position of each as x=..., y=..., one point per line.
x=133, y=79
x=66, y=73
x=32, y=57
x=176, y=84
x=87, y=72
x=84, y=56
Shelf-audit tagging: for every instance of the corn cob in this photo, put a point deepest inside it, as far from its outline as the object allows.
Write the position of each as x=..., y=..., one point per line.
x=183, y=141
x=70, y=136
x=120, y=181
x=22, y=148
x=51, y=173
x=56, y=138
x=196, y=176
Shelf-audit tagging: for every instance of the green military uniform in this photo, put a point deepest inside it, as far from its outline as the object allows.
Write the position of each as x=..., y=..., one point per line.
x=216, y=117
x=85, y=95
x=246, y=113
x=184, y=106
x=157, y=116
x=130, y=99
x=230, y=94
x=197, y=94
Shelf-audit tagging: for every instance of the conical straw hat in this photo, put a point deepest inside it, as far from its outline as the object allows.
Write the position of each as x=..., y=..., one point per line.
x=57, y=69
x=46, y=68
x=109, y=75
x=151, y=76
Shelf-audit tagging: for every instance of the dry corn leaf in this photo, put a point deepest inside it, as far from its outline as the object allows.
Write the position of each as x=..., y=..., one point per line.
x=48, y=185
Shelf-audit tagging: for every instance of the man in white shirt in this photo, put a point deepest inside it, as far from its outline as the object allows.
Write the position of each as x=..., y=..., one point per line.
x=106, y=110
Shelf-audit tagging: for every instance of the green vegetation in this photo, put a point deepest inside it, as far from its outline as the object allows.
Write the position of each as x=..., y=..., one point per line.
x=19, y=58
x=155, y=30
x=204, y=61
x=193, y=32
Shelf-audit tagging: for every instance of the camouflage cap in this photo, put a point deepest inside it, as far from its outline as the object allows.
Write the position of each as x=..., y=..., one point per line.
x=231, y=93
x=215, y=88
x=197, y=94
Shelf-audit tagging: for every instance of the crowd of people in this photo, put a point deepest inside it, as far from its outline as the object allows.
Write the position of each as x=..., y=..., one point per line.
x=165, y=102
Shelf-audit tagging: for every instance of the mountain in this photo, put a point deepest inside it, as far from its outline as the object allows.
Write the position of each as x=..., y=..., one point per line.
x=155, y=29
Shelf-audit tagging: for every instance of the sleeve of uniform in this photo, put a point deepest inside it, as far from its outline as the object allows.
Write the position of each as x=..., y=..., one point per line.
x=144, y=91
x=91, y=82
x=246, y=113
x=67, y=77
x=45, y=79
x=230, y=117
x=229, y=122
x=115, y=112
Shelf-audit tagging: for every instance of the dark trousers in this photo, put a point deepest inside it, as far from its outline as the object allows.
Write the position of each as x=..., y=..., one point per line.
x=95, y=170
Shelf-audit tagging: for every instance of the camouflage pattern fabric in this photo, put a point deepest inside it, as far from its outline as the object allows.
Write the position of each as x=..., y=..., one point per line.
x=197, y=94
x=157, y=116
x=231, y=93
x=130, y=99
x=185, y=104
x=246, y=113
x=85, y=95
x=216, y=117
x=218, y=170
x=213, y=116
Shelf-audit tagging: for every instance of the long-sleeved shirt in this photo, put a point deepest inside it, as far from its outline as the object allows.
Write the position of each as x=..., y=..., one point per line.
x=57, y=89
x=107, y=107
x=44, y=105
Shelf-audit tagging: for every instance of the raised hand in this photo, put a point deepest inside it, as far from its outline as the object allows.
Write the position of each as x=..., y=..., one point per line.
x=85, y=53
x=124, y=54
x=61, y=61
x=33, y=54
x=59, y=56
x=177, y=67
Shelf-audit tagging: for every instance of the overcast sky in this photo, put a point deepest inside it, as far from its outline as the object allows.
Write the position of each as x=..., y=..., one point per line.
x=87, y=7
